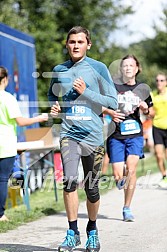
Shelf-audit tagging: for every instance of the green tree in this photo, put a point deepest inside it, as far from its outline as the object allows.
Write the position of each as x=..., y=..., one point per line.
x=100, y=17
x=49, y=21
x=156, y=48
x=152, y=54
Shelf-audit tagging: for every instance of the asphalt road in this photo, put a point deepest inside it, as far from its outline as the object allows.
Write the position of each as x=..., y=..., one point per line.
x=147, y=234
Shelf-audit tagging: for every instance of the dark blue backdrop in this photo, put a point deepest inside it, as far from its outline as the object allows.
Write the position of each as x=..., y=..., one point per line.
x=17, y=54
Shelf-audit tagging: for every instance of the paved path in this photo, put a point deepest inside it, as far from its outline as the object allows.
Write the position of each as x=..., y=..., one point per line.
x=147, y=234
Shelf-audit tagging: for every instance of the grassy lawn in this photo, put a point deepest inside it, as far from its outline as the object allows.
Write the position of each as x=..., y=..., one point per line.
x=43, y=203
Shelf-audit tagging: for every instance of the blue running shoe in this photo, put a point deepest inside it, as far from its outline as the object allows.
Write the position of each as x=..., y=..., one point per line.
x=71, y=241
x=92, y=244
x=121, y=183
x=127, y=215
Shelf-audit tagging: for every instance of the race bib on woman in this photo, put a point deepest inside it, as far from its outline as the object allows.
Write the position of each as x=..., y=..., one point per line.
x=129, y=127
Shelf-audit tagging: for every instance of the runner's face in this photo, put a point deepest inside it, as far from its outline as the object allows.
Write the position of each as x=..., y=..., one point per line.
x=161, y=82
x=77, y=46
x=129, y=68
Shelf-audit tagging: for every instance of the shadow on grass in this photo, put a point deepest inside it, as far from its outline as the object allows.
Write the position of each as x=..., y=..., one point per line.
x=49, y=211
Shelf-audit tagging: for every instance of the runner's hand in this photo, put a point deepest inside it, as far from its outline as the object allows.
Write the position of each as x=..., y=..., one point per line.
x=55, y=110
x=79, y=85
x=143, y=106
x=117, y=116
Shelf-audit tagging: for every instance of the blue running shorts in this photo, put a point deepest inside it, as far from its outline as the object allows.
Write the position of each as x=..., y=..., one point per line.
x=119, y=149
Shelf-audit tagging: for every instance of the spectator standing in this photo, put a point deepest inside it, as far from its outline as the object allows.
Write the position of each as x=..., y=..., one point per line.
x=10, y=116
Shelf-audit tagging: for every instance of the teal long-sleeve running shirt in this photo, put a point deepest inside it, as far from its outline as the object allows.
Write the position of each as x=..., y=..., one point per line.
x=82, y=114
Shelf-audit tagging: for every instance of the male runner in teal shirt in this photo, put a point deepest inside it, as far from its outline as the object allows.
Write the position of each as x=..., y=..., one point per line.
x=85, y=87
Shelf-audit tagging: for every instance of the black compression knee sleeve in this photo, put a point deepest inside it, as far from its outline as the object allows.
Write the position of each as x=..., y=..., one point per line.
x=92, y=193
x=70, y=185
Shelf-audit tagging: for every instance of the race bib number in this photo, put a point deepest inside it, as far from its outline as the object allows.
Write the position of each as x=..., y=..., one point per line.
x=129, y=127
x=78, y=112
